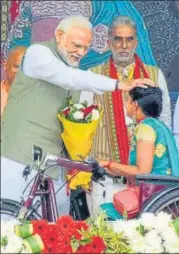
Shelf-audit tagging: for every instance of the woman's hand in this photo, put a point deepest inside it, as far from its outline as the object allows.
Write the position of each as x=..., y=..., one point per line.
x=106, y=165
x=128, y=85
x=103, y=163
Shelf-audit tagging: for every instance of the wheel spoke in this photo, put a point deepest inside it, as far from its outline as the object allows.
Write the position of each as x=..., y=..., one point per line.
x=171, y=207
x=171, y=211
x=177, y=207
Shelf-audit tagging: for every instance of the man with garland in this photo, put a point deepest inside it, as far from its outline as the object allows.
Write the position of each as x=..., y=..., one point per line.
x=112, y=141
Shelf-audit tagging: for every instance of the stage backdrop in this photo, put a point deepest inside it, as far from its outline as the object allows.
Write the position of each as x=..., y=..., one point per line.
x=26, y=22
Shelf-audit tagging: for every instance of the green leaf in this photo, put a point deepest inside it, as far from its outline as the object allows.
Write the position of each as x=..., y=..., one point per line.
x=85, y=241
x=141, y=229
x=99, y=226
x=75, y=244
x=175, y=225
x=67, y=101
x=85, y=103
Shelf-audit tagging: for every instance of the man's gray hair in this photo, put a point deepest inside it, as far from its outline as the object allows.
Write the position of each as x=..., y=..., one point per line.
x=121, y=20
x=72, y=21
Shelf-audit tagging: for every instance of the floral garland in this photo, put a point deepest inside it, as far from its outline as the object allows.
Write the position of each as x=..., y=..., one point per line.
x=151, y=233
x=10, y=242
x=148, y=234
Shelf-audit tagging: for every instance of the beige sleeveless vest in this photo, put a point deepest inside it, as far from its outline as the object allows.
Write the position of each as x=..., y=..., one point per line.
x=30, y=117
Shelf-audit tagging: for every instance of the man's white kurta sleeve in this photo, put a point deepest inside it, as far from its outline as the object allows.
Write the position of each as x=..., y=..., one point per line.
x=40, y=63
x=166, y=111
x=176, y=123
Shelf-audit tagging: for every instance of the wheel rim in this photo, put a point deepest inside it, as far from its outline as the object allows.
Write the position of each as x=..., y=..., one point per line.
x=6, y=216
x=171, y=207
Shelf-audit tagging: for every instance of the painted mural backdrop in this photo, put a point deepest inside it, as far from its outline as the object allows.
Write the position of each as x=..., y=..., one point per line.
x=25, y=22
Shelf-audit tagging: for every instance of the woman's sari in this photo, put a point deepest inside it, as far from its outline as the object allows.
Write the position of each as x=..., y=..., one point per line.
x=166, y=158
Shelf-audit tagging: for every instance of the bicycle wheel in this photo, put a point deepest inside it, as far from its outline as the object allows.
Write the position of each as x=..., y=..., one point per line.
x=168, y=203
x=9, y=210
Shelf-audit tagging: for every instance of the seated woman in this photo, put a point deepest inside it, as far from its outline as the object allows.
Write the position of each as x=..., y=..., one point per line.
x=176, y=123
x=153, y=149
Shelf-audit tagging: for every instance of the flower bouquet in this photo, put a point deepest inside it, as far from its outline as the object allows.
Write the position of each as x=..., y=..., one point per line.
x=79, y=123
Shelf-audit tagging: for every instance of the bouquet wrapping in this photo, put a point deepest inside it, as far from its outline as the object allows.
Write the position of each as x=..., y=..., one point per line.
x=79, y=123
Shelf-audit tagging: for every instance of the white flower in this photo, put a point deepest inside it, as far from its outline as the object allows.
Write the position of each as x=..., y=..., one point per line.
x=154, y=249
x=171, y=240
x=148, y=220
x=78, y=106
x=173, y=248
x=95, y=114
x=117, y=225
x=129, y=228
x=78, y=115
x=162, y=221
x=25, y=250
x=4, y=229
x=137, y=243
x=7, y=227
x=159, y=237
x=14, y=243
x=153, y=242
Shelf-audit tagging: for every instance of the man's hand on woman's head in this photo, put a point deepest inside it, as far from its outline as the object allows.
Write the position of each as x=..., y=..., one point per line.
x=128, y=85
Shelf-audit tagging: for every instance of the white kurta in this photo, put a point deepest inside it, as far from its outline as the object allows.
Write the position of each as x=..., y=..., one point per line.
x=40, y=63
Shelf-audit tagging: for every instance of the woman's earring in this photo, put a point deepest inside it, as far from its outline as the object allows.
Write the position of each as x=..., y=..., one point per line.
x=134, y=122
x=134, y=116
x=134, y=119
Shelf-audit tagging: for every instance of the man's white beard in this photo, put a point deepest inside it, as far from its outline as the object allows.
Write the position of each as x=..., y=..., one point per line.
x=123, y=60
x=65, y=57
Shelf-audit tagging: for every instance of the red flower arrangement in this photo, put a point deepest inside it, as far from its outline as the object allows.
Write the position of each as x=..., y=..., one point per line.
x=65, y=236
x=81, y=113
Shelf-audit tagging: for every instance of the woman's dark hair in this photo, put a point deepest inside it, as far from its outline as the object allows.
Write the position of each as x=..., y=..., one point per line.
x=149, y=99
